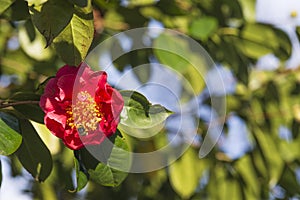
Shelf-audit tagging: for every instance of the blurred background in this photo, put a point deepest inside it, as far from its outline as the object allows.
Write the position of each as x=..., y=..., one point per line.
x=255, y=45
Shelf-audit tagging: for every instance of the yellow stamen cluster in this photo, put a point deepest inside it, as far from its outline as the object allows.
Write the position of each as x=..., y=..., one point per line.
x=85, y=115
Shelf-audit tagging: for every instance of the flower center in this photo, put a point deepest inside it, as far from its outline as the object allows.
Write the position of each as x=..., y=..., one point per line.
x=85, y=115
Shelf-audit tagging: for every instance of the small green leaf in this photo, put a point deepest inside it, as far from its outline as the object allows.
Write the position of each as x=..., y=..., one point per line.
x=52, y=17
x=81, y=178
x=4, y=4
x=203, y=27
x=31, y=110
x=115, y=170
x=183, y=174
x=140, y=115
x=73, y=43
x=10, y=139
x=33, y=153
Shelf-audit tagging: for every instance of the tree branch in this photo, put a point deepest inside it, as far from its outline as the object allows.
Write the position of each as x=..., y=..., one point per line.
x=8, y=104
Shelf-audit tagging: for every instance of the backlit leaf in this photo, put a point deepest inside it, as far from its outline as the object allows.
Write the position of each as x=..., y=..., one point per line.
x=4, y=4
x=73, y=43
x=140, y=115
x=10, y=139
x=183, y=174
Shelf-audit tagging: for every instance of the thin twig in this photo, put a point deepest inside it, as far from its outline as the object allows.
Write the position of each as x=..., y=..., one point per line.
x=8, y=104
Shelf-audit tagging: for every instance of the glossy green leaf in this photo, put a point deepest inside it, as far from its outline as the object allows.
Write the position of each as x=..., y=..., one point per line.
x=4, y=4
x=73, y=43
x=113, y=172
x=31, y=110
x=202, y=28
x=183, y=174
x=51, y=18
x=140, y=115
x=50, y=140
x=81, y=178
x=33, y=153
x=10, y=139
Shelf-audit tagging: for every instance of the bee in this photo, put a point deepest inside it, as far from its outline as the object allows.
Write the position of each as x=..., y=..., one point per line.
x=81, y=130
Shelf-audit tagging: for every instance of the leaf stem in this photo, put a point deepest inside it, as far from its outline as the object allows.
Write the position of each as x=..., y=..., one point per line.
x=8, y=104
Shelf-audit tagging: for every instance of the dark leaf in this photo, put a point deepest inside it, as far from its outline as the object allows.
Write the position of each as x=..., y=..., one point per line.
x=33, y=153
x=31, y=110
x=52, y=17
x=17, y=11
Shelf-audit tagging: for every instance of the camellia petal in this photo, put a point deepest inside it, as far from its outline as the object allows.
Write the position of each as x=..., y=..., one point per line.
x=83, y=113
x=65, y=70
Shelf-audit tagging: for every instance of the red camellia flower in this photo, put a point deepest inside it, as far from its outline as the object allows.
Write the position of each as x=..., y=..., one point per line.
x=81, y=107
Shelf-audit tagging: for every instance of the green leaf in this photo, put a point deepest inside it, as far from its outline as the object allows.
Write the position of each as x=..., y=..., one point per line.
x=4, y=4
x=36, y=2
x=245, y=168
x=17, y=11
x=254, y=45
x=289, y=181
x=115, y=170
x=10, y=139
x=31, y=110
x=139, y=116
x=176, y=52
x=183, y=174
x=202, y=28
x=73, y=43
x=33, y=153
x=248, y=7
x=81, y=178
x=51, y=18
x=223, y=185
x=269, y=149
